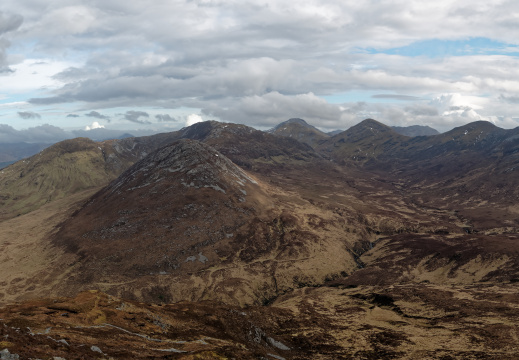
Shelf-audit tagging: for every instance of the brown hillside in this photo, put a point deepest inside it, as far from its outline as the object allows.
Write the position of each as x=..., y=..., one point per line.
x=186, y=215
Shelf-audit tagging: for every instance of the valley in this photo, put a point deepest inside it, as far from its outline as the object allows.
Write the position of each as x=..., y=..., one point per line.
x=289, y=244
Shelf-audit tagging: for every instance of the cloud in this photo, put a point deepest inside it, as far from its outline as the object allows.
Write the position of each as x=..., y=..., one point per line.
x=272, y=108
x=134, y=116
x=29, y=115
x=8, y=23
x=72, y=115
x=422, y=110
x=233, y=59
x=95, y=125
x=42, y=134
x=193, y=119
x=97, y=115
x=164, y=118
x=509, y=99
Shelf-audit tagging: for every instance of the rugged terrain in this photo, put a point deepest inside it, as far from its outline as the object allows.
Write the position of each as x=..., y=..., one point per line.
x=367, y=244
x=398, y=322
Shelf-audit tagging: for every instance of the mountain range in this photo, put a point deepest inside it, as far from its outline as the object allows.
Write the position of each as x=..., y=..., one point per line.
x=365, y=244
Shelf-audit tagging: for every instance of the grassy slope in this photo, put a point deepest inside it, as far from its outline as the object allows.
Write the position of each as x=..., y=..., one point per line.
x=62, y=169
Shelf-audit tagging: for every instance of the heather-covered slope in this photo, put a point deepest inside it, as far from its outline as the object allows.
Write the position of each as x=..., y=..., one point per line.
x=392, y=322
x=187, y=223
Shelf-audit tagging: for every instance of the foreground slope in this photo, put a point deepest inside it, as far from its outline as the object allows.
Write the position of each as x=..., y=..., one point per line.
x=396, y=322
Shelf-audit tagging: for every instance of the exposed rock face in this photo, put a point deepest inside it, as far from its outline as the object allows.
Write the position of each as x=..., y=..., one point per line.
x=190, y=163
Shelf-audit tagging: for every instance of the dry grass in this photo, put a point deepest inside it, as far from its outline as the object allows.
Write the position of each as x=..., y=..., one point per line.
x=27, y=258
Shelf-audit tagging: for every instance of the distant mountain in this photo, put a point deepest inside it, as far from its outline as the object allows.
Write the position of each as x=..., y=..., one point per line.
x=6, y=164
x=364, y=142
x=12, y=152
x=334, y=132
x=415, y=130
x=249, y=148
x=126, y=135
x=300, y=130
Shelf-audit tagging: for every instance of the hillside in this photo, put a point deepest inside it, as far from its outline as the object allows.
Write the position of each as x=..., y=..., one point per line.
x=60, y=170
x=186, y=215
x=78, y=164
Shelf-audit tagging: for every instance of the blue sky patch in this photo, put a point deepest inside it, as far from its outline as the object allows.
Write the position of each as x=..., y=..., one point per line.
x=436, y=48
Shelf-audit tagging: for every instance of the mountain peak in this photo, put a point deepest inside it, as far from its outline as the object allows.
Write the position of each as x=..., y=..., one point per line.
x=174, y=210
x=415, y=130
x=372, y=123
x=193, y=163
x=297, y=120
x=300, y=130
x=290, y=122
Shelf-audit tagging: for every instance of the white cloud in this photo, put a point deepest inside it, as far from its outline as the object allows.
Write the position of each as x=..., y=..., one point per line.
x=35, y=75
x=193, y=119
x=95, y=125
x=260, y=61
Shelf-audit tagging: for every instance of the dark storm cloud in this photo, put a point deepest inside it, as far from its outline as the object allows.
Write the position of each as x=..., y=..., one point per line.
x=134, y=116
x=29, y=115
x=97, y=115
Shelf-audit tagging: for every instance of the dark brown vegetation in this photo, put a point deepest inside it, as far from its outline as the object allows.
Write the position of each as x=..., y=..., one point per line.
x=364, y=245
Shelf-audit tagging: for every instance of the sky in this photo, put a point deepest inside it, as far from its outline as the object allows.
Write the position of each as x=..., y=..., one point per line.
x=71, y=67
